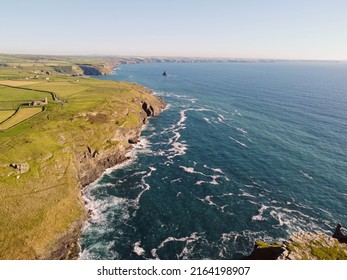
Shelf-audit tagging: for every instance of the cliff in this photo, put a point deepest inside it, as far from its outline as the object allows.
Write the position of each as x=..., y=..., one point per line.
x=93, y=162
x=67, y=146
x=301, y=246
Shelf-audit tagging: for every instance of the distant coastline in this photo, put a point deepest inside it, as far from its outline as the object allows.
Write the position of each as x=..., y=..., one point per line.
x=72, y=124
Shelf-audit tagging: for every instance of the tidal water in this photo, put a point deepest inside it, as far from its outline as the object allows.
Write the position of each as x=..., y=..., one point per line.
x=244, y=151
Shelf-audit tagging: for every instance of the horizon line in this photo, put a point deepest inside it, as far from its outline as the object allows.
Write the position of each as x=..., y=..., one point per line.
x=180, y=57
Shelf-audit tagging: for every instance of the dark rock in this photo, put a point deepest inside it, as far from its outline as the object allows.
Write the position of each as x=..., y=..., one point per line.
x=148, y=109
x=264, y=251
x=132, y=140
x=90, y=70
x=89, y=213
x=338, y=234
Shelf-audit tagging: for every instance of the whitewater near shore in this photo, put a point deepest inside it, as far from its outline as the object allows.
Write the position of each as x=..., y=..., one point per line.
x=230, y=161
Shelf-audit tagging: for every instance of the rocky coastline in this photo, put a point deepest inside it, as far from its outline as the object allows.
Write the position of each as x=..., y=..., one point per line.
x=92, y=164
x=303, y=246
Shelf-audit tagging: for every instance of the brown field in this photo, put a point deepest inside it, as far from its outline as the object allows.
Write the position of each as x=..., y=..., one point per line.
x=5, y=114
x=21, y=115
x=14, y=83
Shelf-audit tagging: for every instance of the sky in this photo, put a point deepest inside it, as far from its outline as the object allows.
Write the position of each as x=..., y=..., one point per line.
x=277, y=29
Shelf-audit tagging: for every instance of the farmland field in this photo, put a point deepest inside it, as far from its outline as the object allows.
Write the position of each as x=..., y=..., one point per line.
x=17, y=83
x=21, y=115
x=43, y=204
x=5, y=114
x=14, y=94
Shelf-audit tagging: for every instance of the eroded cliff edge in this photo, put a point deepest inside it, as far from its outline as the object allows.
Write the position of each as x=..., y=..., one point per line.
x=94, y=160
x=45, y=161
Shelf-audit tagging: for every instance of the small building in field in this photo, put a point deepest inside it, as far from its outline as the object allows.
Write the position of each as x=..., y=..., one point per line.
x=39, y=102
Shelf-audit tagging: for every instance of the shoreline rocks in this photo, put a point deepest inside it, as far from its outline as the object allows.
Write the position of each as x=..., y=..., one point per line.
x=302, y=246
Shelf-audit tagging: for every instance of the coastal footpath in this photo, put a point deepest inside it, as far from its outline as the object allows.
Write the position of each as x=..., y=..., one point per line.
x=81, y=126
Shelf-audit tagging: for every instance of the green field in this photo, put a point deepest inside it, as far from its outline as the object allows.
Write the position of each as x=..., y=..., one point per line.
x=13, y=94
x=12, y=100
x=13, y=97
x=37, y=207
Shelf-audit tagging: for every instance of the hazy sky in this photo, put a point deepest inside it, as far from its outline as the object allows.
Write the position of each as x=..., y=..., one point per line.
x=290, y=29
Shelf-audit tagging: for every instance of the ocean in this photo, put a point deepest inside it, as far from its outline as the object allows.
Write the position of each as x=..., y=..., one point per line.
x=243, y=151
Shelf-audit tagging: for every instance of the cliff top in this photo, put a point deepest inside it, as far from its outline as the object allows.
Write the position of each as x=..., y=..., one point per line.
x=42, y=158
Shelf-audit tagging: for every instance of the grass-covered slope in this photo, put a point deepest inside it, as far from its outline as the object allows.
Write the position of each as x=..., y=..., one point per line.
x=43, y=160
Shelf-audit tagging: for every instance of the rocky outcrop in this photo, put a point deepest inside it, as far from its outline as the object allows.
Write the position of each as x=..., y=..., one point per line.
x=93, y=164
x=20, y=167
x=265, y=251
x=148, y=109
x=339, y=235
x=104, y=68
x=313, y=246
x=301, y=246
x=152, y=110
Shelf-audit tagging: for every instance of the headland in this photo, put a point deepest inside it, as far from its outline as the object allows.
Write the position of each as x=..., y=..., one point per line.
x=59, y=131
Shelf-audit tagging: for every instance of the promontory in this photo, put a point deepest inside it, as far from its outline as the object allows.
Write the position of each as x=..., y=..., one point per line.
x=59, y=130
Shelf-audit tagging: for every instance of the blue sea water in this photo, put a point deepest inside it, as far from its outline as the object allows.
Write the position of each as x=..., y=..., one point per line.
x=244, y=151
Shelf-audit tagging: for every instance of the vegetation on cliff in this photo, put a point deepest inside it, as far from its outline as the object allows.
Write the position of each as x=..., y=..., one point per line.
x=301, y=246
x=46, y=159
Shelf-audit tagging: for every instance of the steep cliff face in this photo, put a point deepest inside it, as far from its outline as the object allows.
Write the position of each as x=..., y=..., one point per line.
x=92, y=162
x=90, y=70
x=101, y=69
x=301, y=246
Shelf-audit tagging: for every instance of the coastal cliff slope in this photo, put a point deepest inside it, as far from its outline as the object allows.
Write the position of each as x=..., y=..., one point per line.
x=48, y=158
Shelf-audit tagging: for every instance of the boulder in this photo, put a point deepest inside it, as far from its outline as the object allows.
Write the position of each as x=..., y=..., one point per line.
x=342, y=238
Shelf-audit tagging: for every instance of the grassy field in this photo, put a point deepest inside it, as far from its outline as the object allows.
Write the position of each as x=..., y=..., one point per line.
x=5, y=114
x=10, y=95
x=12, y=100
x=14, y=83
x=41, y=204
x=20, y=116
